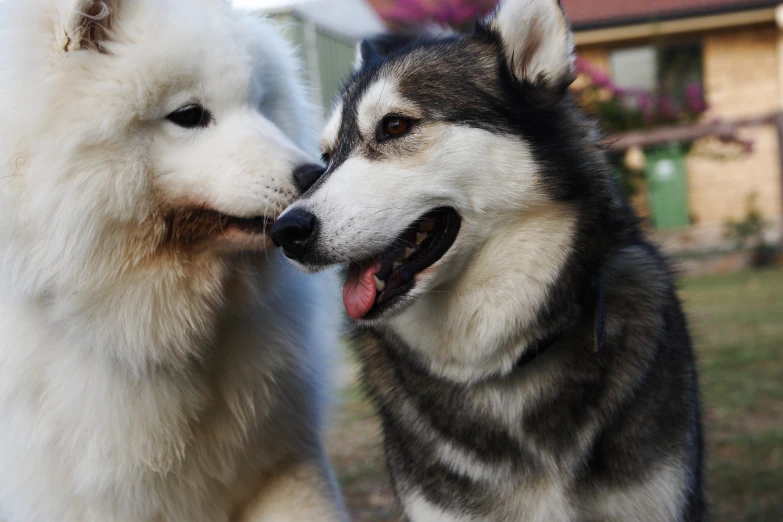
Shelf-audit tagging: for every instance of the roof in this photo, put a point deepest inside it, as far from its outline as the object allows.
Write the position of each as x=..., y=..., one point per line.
x=595, y=14
x=352, y=18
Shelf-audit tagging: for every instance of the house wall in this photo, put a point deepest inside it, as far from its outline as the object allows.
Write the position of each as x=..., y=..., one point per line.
x=742, y=79
x=597, y=55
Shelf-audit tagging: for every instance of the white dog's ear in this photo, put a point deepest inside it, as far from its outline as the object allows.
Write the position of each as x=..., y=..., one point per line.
x=85, y=24
x=537, y=41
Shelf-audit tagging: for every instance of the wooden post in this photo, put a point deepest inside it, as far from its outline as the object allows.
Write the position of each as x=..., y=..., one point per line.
x=779, y=127
x=679, y=133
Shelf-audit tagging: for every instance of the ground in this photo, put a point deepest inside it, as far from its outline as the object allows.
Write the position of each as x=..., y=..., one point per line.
x=737, y=325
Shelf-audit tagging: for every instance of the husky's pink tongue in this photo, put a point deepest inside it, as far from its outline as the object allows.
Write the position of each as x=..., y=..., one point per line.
x=359, y=290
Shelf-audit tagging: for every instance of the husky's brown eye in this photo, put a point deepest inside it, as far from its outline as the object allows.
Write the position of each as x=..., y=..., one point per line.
x=190, y=116
x=396, y=126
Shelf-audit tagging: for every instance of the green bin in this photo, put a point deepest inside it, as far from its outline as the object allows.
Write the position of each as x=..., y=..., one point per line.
x=668, y=187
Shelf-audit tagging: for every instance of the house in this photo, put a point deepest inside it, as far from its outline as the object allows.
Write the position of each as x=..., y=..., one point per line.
x=325, y=33
x=734, y=49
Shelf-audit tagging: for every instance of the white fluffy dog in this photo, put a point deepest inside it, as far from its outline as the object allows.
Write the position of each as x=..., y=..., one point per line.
x=156, y=364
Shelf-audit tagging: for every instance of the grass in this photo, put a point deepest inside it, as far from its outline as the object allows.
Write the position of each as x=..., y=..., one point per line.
x=355, y=450
x=737, y=326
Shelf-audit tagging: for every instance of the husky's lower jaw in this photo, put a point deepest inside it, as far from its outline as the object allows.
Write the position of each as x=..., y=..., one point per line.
x=380, y=286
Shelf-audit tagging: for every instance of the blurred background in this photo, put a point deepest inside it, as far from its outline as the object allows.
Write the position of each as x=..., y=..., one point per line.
x=690, y=97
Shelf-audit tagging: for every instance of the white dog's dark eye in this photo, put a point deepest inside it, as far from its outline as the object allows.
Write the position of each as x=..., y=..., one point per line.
x=190, y=117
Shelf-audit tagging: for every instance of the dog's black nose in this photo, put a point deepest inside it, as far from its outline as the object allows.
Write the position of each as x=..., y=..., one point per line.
x=295, y=232
x=305, y=176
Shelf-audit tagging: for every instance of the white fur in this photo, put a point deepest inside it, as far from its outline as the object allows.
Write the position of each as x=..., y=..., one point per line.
x=381, y=98
x=418, y=509
x=140, y=381
x=468, y=465
x=462, y=328
x=521, y=23
x=658, y=499
x=332, y=128
x=542, y=502
x=547, y=501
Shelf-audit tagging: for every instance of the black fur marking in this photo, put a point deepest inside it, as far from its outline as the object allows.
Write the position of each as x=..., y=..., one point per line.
x=375, y=48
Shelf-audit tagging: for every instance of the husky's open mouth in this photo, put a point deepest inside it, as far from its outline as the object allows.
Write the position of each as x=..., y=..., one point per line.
x=377, y=283
x=190, y=226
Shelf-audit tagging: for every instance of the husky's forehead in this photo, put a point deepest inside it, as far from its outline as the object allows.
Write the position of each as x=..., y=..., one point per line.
x=461, y=81
x=456, y=80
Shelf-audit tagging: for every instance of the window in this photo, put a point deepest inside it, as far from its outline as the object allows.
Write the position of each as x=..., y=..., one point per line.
x=670, y=70
x=678, y=68
x=635, y=68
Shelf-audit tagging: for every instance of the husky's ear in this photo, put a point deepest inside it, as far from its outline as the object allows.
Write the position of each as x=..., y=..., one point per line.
x=537, y=41
x=85, y=24
x=373, y=49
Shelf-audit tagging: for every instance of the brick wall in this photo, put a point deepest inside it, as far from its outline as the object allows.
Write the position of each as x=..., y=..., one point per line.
x=741, y=71
x=741, y=78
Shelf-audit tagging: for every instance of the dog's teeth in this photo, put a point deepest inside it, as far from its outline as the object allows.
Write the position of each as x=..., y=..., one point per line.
x=409, y=252
x=421, y=237
x=379, y=285
x=396, y=265
x=427, y=225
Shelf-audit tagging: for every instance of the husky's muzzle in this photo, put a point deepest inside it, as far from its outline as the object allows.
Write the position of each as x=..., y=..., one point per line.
x=375, y=283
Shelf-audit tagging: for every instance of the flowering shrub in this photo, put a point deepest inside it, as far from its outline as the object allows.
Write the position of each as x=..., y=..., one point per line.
x=622, y=109
x=453, y=13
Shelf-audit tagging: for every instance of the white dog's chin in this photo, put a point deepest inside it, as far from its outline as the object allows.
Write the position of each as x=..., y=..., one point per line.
x=205, y=229
x=233, y=241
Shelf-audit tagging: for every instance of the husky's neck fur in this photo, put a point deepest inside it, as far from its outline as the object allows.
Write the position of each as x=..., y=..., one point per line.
x=485, y=444
x=461, y=331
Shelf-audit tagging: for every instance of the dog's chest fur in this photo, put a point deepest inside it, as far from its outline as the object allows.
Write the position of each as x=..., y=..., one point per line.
x=570, y=436
x=101, y=442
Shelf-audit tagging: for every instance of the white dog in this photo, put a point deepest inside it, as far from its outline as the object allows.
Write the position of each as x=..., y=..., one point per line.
x=155, y=363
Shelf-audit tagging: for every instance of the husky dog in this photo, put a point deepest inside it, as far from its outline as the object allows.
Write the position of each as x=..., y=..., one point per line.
x=155, y=364
x=522, y=340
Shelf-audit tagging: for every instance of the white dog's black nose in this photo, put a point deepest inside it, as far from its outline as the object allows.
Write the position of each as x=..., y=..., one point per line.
x=305, y=176
x=295, y=232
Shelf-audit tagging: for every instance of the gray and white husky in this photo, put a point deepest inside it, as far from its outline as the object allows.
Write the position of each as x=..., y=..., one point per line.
x=522, y=340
